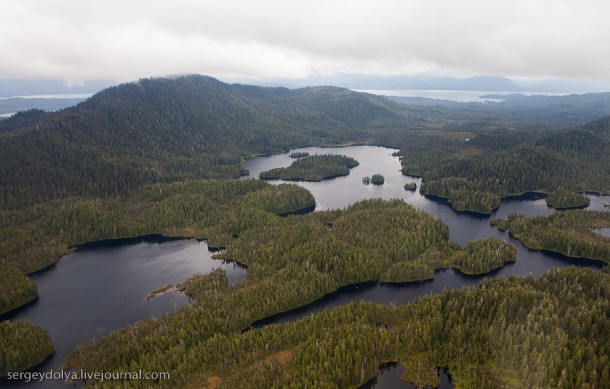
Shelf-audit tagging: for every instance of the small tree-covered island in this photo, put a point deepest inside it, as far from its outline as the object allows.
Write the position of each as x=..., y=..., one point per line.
x=312, y=168
x=375, y=179
x=163, y=156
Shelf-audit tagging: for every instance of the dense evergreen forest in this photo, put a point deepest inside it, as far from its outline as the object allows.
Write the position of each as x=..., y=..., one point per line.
x=517, y=332
x=160, y=156
x=161, y=130
x=569, y=232
x=36, y=237
x=474, y=171
x=312, y=168
x=535, y=112
x=291, y=261
x=23, y=345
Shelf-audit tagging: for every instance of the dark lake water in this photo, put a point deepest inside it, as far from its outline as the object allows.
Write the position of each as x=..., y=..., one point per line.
x=340, y=192
x=103, y=286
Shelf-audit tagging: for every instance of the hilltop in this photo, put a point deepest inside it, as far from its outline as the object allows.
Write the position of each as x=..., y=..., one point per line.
x=160, y=130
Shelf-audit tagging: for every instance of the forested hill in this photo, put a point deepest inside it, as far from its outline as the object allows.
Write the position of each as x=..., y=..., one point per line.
x=167, y=129
x=547, y=111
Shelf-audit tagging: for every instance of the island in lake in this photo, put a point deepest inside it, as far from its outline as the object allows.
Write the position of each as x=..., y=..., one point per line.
x=375, y=179
x=411, y=186
x=312, y=168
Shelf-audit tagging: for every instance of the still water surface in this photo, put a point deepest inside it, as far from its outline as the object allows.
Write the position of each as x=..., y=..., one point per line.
x=340, y=192
x=463, y=227
x=103, y=286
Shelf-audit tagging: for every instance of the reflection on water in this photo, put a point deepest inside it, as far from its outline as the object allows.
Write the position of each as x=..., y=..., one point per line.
x=340, y=192
x=390, y=378
x=102, y=287
x=463, y=227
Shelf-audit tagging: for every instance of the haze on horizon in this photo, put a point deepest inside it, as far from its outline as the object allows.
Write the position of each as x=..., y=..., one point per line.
x=76, y=41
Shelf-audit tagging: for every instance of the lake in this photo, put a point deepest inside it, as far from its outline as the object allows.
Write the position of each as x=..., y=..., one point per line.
x=103, y=286
x=342, y=191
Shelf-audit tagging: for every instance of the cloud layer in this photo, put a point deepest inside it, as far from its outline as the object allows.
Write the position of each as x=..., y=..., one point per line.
x=127, y=40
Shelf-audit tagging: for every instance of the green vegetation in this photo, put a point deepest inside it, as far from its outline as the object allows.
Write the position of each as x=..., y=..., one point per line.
x=16, y=289
x=411, y=186
x=567, y=232
x=159, y=291
x=291, y=261
x=23, y=346
x=34, y=238
x=483, y=256
x=312, y=168
x=299, y=154
x=376, y=179
x=164, y=130
x=490, y=336
x=462, y=195
x=474, y=175
x=566, y=199
x=130, y=161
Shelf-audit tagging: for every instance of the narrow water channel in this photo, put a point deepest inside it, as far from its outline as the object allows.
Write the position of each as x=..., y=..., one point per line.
x=102, y=287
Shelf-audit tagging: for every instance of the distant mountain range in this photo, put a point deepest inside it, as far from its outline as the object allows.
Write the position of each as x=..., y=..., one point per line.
x=16, y=87
x=429, y=82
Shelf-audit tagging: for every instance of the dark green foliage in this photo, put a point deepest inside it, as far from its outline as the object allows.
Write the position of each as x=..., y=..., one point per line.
x=34, y=238
x=567, y=232
x=483, y=256
x=377, y=179
x=411, y=186
x=566, y=199
x=23, y=346
x=16, y=289
x=291, y=261
x=474, y=175
x=312, y=168
x=462, y=195
x=160, y=130
x=299, y=154
x=517, y=332
x=22, y=119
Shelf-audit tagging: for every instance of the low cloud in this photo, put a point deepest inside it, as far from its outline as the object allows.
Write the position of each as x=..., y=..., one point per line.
x=127, y=40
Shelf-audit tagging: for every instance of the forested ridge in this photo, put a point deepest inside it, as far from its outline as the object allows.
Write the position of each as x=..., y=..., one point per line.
x=164, y=130
x=568, y=232
x=474, y=171
x=291, y=261
x=161, y=130
x=158, y=156
x=534, y=112
x=516, y=332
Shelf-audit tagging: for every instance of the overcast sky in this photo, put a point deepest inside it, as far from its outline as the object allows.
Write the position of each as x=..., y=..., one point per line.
x=130, y=39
